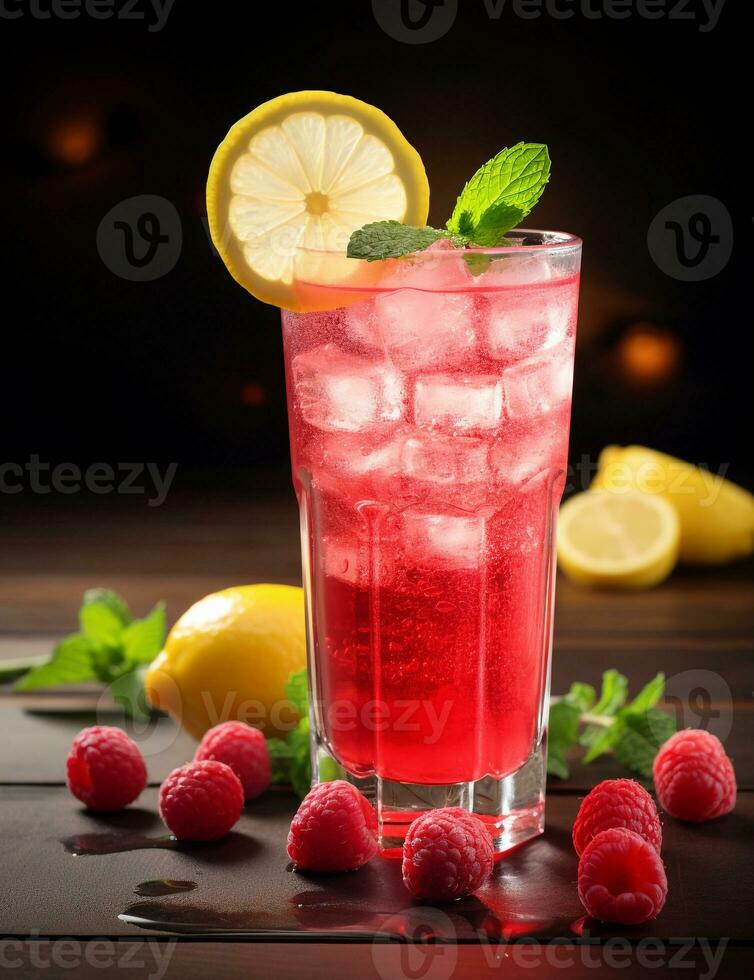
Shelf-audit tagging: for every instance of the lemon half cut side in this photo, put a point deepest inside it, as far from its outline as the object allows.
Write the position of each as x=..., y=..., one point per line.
x=306, y=170
x=629, y=540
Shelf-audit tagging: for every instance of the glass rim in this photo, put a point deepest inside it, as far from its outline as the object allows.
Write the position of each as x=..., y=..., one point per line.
x=557, y=241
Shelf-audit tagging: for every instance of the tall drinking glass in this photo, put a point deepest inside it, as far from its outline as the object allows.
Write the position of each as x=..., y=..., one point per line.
x=429, y=404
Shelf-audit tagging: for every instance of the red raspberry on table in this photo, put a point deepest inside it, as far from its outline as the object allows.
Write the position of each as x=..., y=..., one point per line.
x=334, y=829
x=617, y=803
x=244, y=749
x=447, y=853
x=201, y=801
x=694, y=778
x=621, y=877
x=105, y=769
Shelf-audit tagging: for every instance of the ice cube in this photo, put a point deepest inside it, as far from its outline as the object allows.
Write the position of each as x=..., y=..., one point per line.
x=416, y=328
x=517, y=460
x=357, y=559
x=520, y=322
x=346, y=558
x=346, y=460
x=445, y=460
x=446, y=540
x=538, y=384
x=458, y=403
x=338, y=392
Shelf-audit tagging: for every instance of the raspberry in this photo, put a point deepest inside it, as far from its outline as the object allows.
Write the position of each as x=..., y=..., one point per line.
x=335, y=829
x=621, y=877
x=201, y=800
x=105, y=768
x=244, y=749
x=447, y=853
x=617, y=803
x=694, y=778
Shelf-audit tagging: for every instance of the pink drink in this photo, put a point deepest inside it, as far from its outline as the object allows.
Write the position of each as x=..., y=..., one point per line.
x=429, y=433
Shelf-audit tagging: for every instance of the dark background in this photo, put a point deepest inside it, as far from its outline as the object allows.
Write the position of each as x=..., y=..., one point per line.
x=188, y=368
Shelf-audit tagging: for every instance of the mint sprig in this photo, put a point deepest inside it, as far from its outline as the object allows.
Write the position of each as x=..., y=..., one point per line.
x=501, y=193
x=632, y=731
x=111, y=646
x=291, y=758
x=499, y=196
x=390, y=240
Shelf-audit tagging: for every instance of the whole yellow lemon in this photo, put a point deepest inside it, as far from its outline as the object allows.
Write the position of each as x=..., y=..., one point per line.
x=228, y=658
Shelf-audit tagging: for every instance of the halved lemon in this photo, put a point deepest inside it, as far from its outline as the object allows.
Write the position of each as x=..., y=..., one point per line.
x=626, y=540
x=306, y=170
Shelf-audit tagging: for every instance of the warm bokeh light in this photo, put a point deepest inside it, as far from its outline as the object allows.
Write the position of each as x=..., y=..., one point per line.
x=649, y=354
x=75, y=140
x=253, y=395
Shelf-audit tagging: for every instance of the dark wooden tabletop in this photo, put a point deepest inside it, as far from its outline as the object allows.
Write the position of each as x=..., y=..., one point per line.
x=239, y=910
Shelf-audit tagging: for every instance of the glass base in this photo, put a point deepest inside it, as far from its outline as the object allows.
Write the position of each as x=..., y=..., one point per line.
x=513, y=808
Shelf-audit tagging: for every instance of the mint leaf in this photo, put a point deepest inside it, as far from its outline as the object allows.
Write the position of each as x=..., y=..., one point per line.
x=562, y=733
x=581, y=696
x=494, y=222
x=297, y=692
x=100, y=623
x=71, y=662
x=613, y=694
x=281, y=755
x=503, y=190
x=128, y=691
x=143, y=639
x=390, y=240
x=604, y=740
x=648, y=696
x=106, y=597
x=640, y=738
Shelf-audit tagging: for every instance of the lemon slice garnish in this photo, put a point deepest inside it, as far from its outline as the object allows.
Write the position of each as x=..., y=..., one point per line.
x=306, y=170
x=628, y=539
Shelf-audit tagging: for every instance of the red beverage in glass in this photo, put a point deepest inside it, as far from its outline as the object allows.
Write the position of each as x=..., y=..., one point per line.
x=429, y=431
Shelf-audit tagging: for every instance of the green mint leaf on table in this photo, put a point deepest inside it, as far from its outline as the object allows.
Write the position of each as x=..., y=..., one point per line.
x=501, y=193
x=70, y=663
x=581, y=696
x=297, y=692
x=143, y=639
x=613, y=695
x=127, y=690
x=100, y=624
x=632, y=731
x=390, y=240
x=648, y=696
x=640, y=738
x=291, y=756
x=111, y=647
x=106, y=597
x=562, y=733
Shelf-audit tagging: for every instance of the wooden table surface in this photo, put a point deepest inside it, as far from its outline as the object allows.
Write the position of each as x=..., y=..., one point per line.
x=242, y=912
